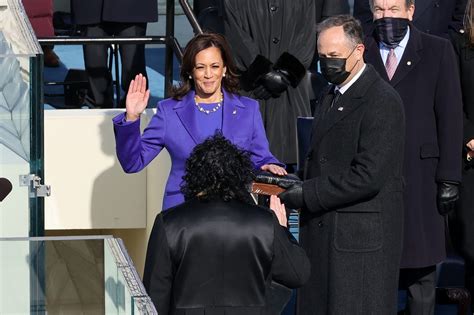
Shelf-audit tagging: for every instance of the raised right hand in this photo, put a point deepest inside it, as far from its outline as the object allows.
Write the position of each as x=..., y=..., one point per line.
x=137, y=98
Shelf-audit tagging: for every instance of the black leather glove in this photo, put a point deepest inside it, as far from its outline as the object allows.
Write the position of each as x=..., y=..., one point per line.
x=448, y=194
x=292, y=197
x=275, y=81
x=261, y=93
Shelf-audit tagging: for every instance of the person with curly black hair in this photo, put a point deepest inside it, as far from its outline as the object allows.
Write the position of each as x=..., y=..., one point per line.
x=207, y=179
x=216, y=252
x=206, y=100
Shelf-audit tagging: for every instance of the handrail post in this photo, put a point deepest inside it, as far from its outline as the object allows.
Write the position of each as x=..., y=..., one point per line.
x=188, y=11
x=169, y=47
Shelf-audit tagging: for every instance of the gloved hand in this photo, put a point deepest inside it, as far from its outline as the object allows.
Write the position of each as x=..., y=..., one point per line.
x=275, y=81
x=261, y=93
x=292, y=197
x=448, y=194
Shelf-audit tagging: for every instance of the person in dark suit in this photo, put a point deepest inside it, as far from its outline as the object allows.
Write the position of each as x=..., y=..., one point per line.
x=462, y=219
x=351, y=197
x=422, y=69
x=217, y=253
x=431, y=16
x=273, y=44
x=103, y=18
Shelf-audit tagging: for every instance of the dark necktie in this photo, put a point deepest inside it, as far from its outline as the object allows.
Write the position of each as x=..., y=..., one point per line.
x=335, y=97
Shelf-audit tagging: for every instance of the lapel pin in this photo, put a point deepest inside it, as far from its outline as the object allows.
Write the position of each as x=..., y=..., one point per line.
x=340, y=109
x=234, y=112
x=408, y=63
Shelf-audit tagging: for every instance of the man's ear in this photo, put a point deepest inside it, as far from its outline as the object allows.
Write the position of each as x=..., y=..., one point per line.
x=411, y=12
x=360, y=51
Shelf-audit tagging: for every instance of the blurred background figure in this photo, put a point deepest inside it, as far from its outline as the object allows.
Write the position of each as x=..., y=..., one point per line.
x=462, y=219
x=40, y=13
x=274, y=43
x=120, y=18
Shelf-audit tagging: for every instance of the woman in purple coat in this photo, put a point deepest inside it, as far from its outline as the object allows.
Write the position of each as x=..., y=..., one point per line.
x=206, y=101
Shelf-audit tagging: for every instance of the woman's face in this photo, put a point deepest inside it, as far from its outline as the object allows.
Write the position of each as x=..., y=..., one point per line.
x=208, y=72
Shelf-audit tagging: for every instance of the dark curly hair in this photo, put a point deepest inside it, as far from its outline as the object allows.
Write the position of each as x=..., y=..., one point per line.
x=217, y=169
x=197, y=44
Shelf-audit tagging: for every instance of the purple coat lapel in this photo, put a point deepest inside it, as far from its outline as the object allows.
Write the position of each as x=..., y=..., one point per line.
x=185, y=111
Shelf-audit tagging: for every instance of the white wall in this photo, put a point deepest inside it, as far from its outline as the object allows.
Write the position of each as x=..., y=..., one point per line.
x=90, y=192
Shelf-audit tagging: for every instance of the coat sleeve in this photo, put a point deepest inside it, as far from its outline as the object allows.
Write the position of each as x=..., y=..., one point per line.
x=380, y=143
x=290, y=266
x=158, y=273
x=260, y=149
x=244, y=47
x=135, y=151
x=449, y=116
x=302, y=29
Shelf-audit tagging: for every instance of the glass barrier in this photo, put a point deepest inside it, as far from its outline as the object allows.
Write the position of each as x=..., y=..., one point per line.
x=69, y=275
x=21, y=119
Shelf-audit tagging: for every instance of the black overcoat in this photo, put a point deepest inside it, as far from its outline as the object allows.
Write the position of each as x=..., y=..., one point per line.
x=427, y=80
x=126, y=11
x=463, y=219
x=351, y=225
x=270, y=29
x=431, y=16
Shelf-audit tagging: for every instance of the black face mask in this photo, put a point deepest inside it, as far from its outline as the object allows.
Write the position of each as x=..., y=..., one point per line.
x=334, y=69
x=390, y=30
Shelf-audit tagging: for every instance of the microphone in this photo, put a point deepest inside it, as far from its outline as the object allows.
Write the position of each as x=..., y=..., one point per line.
x=5, y=188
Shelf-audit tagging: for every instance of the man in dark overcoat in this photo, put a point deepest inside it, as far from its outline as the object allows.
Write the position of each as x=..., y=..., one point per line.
x=426, y=77
x=103, y=18
x=351, y=197
x=273, y=44
x=434, y=17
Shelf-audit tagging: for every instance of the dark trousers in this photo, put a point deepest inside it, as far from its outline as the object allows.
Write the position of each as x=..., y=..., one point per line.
x=460, y=228
x=420, y=284
x=132, y=58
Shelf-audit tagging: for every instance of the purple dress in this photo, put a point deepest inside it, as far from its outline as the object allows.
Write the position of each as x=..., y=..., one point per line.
x=174, y=127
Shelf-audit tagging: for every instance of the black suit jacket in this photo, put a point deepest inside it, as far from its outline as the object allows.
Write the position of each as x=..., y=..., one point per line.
x=219, y=258
x=87, y=12
x=431, y=16
x=351, y=225
x=427, y=80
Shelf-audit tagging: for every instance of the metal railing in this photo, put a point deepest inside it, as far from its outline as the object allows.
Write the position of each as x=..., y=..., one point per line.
x=172, y=46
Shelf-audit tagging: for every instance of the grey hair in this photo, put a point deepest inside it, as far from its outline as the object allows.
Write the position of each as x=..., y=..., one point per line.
x=469, y=22
x=407, y=4
x=351, y=26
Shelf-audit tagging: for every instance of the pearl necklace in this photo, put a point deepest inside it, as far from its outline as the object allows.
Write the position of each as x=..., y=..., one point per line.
x=208, y=111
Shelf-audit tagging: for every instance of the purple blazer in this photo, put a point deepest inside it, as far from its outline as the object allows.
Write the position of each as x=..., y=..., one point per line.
x=174, y=127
